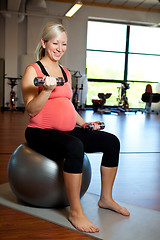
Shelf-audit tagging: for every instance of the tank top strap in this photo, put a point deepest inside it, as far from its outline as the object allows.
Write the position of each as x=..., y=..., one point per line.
x=64, y=73
x=37, y=69
x=67, y=73
x=42, y=68
x=41, y=73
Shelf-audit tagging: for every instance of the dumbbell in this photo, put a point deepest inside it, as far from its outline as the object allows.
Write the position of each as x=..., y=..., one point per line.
x=39, y=81
x=89, y=126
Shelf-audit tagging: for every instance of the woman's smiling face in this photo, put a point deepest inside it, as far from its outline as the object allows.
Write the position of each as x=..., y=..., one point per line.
x=55, y=47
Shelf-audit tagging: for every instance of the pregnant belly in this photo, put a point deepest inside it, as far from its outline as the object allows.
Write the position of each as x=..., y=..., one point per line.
x=58, y=113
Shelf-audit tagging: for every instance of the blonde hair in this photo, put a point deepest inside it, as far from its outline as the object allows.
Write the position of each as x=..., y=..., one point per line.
x=51, y=30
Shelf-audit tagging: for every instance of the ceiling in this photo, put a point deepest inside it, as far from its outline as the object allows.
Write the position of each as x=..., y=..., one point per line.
x=137, y=5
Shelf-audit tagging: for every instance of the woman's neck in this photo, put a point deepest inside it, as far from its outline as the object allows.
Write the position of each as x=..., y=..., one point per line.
x=47, y=61
x=52, y=67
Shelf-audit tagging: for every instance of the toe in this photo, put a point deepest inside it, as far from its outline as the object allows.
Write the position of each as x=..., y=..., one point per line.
x=125, y=212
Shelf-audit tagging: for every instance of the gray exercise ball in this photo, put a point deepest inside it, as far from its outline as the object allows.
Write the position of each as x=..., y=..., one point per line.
x=38, y=180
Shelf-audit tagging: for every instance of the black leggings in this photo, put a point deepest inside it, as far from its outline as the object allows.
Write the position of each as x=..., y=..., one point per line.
x=72, y=145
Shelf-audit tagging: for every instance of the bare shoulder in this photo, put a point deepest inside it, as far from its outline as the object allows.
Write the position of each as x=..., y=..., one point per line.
x=30, y=70
x=29, y=75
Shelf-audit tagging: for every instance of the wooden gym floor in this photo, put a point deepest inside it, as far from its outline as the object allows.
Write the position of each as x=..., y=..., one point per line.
x=137, y=181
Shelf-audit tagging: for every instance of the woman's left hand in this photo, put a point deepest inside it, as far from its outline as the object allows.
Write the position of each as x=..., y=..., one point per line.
x=96, y=125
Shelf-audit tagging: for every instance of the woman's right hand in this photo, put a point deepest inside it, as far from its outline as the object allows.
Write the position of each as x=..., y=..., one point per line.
x=50, y=83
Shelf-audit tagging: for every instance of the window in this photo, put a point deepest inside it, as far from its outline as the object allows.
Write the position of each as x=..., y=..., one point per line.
x=106, y=60
x=143, y=62
x=105, y=46
x=144, y=40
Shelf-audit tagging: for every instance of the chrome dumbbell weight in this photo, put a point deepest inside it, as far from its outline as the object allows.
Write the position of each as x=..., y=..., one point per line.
x=89, y=126
x=39, y=81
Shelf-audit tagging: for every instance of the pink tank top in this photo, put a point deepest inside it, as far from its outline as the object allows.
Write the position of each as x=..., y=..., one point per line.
x=58, y=112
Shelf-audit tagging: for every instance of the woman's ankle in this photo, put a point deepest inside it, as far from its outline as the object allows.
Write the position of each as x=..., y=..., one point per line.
x=106, y=198
x=76, y=212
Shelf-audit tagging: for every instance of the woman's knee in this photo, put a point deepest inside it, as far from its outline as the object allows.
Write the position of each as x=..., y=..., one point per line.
x=111, y=155
x=110, y=143
x=116, y=143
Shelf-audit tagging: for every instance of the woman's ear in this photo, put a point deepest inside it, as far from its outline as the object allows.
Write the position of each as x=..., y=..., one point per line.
x=43, y=43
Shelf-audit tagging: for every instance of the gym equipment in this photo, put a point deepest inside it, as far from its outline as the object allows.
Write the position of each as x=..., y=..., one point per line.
x=156, y=106
x=38, y=180
x=103, y=97
x=123, y=104
x=12, y=104
x=75, y=97
x=89, y=126
x=149, y=97
x=12, y=82
x=98, y=104
x=39, y=81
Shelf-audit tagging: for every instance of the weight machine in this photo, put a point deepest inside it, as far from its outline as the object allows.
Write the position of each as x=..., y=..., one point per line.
x=75, y=100
x=11, y=105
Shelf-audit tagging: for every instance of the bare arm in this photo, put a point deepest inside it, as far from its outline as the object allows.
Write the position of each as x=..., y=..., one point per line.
x=33, y=100
x=80, y=120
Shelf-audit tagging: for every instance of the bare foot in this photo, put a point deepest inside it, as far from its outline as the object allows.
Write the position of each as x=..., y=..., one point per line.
x=82, y=223
x=112, y=205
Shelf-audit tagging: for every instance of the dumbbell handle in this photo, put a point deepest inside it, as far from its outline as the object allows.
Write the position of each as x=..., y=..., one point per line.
x=39, y=81
x=89, y=126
